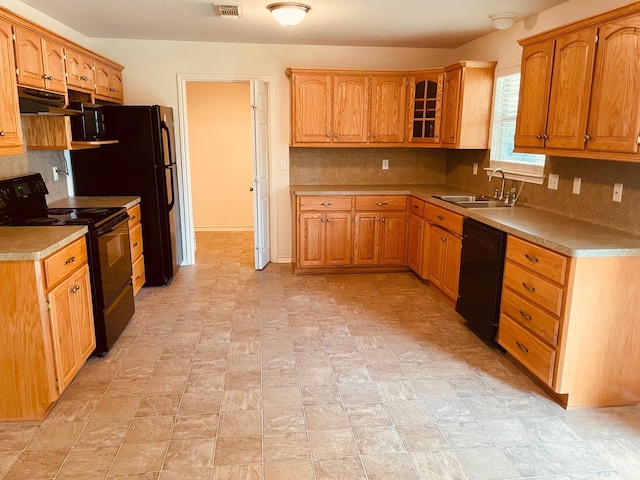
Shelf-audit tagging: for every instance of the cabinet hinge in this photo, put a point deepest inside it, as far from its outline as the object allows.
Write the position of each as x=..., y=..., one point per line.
x=48, y=306
x=638, y=139
x=298, y=218
x=597, y=38
x=13, y=36
x=17, y=71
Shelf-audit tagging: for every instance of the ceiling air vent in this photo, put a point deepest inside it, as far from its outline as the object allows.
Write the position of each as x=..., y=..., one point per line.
x=228, y=11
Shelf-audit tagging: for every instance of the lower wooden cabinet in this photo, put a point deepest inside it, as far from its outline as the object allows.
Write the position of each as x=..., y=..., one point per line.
x=48, y=329
x=72, y=335
x=325, y=239
x=137, y=258
x=444, y=263
x=573, y=323
x=379, y=238
x=415, y=242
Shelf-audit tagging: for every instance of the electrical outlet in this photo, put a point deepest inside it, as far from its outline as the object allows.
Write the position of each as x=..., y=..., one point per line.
x=56, y=177
x=617, y=192
x=475, y=169
x=385, y=164
x=552, y=184
x=577, y=183
x=283, y=164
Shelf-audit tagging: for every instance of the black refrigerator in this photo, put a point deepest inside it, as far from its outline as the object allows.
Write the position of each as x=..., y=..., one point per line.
x=142, y=163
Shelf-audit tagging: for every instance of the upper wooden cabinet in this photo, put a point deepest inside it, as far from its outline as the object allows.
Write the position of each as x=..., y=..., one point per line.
x=80, y=70
x=40, y=61
x=468, y=90
x=425, y=108
x=579, y=91
x=351, y=108
x=109, y=82
x=10, y=126
x=388, y=106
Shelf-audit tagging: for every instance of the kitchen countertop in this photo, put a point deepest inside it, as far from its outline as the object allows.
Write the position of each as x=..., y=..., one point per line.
x=566, y=235
x=96, y=202
x=35, y=243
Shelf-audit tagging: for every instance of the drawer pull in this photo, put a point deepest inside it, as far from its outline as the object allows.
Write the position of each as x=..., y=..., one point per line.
x=416, y=206
x=528, y=287
x=71, y=260
x=382, y=204
x=522, y=347
x=135, y=245
x=440, y=217
x=530, y=258
x=138, y=278
x=419, y=226
x=326, y=204
x=525, y=315
x=133, y=217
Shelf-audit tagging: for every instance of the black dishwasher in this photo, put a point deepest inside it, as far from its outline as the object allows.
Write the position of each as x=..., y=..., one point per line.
x=481, y=270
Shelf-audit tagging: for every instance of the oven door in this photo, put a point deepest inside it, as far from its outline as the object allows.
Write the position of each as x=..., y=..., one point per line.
x=115, y=256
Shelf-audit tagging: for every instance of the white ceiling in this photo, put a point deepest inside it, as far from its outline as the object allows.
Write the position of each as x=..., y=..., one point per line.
x=384, y=23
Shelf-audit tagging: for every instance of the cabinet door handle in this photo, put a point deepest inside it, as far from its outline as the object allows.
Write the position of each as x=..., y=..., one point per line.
x=377, y=219
x=383, y=219
x=335, y=135
x=443, y=239
x=525, y=315
x=528, y=287
x=531, y=258
x=435, y=135
x=322, y=220
x=522, y=347
x=2, y=133
x=416, y=206
x=452, y=135
x=70, y=260
x=326, y=204
x=419, y=226
x=328, y=136
x=75, y=289
x=440, y=217
x=133, y=217
x=135, y=245
x=587, y=137
x=328, y=220
x=382, y=204
x=373, y=135
x=539, y=137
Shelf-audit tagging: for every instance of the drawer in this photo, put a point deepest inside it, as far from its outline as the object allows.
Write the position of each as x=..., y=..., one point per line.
x=135, y=237
x=444, y=218
x=528, y=315
x=134, y=216
x=138, y=274
x=533, y=288
x=62, y=263
x=527, y=349
x=379, y=203
x=416, y=206
x=321, y=202
x=544, y=262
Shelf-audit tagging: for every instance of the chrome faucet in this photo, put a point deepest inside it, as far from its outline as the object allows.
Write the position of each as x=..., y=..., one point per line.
x=501, y=187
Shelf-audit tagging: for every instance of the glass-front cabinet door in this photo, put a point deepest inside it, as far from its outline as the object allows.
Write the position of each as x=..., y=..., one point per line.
x=427, y=101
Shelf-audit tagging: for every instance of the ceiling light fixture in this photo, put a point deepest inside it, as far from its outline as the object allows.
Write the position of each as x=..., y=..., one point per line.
x=288, y=13
x=503, y=21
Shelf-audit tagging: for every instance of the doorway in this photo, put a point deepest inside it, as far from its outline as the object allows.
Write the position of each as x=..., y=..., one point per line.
x=258, y=185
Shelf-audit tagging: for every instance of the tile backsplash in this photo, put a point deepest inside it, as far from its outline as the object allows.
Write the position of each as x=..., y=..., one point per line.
x=593, y=204
x=363, y=166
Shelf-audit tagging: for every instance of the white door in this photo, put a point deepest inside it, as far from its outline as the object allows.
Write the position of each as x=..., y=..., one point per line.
x=259, y=91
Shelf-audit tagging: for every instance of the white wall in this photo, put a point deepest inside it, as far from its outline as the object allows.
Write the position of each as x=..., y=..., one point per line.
x=503, y=45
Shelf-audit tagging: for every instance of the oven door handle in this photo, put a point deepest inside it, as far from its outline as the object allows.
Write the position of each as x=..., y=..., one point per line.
x=113, y=224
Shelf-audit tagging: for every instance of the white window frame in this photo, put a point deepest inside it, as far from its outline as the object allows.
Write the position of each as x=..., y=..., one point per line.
x=525, y=172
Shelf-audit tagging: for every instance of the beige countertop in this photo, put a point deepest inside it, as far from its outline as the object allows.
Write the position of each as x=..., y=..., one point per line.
x=35, y=243
x=96, y=202
x=566, y=235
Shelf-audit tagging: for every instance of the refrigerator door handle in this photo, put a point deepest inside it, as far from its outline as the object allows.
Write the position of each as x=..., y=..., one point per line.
x=173, y=198
x=165, y=127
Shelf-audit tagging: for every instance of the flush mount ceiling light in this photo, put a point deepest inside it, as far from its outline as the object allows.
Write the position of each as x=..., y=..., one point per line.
x=288, y=13
x=502, y=21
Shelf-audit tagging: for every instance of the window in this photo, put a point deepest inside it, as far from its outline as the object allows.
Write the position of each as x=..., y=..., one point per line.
x=505, y=110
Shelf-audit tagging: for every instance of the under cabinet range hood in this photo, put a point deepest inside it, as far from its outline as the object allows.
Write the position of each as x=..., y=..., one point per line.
x=40, y=102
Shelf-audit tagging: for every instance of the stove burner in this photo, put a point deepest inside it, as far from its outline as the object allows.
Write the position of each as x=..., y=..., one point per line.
x=93, y=211
x=42, y=221
x=60, y=211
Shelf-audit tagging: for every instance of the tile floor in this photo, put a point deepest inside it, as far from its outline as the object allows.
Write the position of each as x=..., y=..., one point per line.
x=233, y=374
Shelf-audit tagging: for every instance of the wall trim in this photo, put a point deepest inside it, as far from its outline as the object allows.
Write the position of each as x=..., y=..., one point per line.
x=188, y=229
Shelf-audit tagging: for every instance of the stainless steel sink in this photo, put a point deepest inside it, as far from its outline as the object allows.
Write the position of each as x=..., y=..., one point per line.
x=473, y=201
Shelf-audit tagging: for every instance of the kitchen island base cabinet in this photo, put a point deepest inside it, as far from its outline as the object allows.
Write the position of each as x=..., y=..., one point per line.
x=48, y=331
x=593, y=358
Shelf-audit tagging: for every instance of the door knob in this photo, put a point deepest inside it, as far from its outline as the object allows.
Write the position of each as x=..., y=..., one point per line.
x=251, y=189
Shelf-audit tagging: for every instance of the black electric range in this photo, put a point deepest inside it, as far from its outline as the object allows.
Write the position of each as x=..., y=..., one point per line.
x=23, y=203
